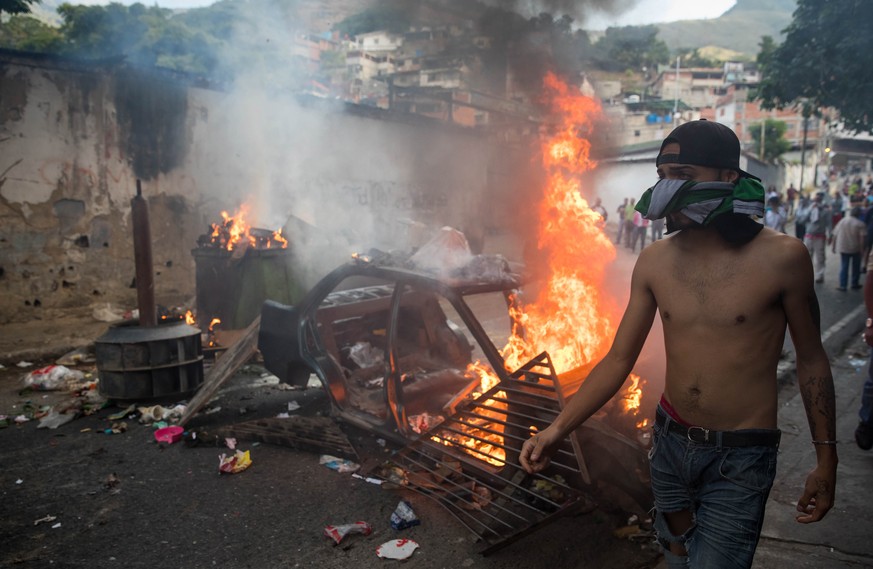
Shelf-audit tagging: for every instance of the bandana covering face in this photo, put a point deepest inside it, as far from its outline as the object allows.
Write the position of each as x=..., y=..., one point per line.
x=702, y=202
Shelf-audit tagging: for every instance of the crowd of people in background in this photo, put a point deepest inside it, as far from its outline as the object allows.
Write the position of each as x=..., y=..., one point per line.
x=633, y=227
x=835, y=215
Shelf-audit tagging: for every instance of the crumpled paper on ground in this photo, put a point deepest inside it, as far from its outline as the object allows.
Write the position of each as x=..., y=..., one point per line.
x=397, y=549
x=235, y=463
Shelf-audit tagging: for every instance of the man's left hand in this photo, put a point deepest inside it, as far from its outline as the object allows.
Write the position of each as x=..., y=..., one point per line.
x=818, y=495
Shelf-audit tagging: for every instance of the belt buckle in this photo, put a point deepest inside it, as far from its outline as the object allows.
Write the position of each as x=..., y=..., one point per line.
x=702, y=430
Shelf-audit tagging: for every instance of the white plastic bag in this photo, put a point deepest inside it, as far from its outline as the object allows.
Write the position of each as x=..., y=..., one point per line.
x=51, y=378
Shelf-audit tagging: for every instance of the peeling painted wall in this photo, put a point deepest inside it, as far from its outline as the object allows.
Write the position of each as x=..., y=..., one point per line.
x=74, y=138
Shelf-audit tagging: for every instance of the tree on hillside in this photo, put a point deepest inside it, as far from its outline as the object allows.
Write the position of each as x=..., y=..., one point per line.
x=826, y=60
x=693, y=58
x=630, y=47
x=16, y=6
x=374, y=20
x=775, y=144
x=26, y=33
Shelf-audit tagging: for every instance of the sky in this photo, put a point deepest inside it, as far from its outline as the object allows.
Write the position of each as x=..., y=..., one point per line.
x=657, y=11
x=644, y=12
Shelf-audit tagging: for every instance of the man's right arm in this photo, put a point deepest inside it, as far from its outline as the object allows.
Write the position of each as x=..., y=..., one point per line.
x=607, y=376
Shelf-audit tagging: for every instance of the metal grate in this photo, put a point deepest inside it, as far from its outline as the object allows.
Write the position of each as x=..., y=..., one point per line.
x=461, y=466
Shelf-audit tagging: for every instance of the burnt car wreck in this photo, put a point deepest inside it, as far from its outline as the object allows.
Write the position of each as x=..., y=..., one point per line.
x=402, y=351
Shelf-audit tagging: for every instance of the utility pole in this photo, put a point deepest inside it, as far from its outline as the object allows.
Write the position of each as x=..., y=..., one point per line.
x=676, y=98
x=761, y=154
x=803, y=147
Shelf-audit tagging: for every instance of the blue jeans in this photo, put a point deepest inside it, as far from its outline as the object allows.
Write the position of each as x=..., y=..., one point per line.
x=866, y=412
x=724, y=488
x=853, y=259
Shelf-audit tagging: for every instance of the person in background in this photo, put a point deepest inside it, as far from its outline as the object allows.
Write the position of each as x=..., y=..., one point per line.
x=641, y=226
x=818, y=233
x=657, y=229
x=801, y=215
x=598, y=208
x=849, y=239
x=791, y=195
x=725, y=287
x=864, y=430
x=775, y=216
x=629, y=222
x=620, y=216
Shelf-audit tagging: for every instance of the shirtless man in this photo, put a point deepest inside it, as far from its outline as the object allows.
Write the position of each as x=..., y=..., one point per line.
x=726, y=288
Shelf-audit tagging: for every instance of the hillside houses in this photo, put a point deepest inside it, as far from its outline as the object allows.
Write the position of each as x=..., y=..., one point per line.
x=440, y=72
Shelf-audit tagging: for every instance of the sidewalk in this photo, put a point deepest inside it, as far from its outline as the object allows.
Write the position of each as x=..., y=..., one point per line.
x=842, y=539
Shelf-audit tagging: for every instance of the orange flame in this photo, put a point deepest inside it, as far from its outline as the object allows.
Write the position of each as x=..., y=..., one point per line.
x=569, y=318
x=235, y=232
x=189, y=318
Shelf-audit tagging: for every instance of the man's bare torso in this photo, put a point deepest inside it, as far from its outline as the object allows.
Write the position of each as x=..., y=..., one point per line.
x=724, y=325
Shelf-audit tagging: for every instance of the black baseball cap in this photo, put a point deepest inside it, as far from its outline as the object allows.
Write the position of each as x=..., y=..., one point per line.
x=704, y=143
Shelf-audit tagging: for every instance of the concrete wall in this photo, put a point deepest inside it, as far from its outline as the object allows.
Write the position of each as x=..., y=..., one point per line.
x=74, y=138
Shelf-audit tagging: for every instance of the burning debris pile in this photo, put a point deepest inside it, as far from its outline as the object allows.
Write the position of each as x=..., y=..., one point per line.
x=234, y=233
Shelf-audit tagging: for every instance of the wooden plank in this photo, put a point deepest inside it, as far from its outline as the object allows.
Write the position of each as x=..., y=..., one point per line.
x=229, y=362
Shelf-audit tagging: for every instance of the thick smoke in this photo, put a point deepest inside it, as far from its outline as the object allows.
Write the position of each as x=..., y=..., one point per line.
x=340, y=179
x=579, y=11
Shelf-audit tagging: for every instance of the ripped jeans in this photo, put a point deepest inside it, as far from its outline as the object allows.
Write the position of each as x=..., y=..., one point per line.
x=724, y=487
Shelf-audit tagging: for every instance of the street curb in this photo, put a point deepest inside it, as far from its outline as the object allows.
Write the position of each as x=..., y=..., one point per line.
x=835, y=341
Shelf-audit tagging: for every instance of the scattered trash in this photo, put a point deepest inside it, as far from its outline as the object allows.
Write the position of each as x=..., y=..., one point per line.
x=122, y=414
x=366, y=355
x=397, y=549
x=19, y=481
x=195, y=438
x=549, y=490
x=54, y=420
x=111, y=482
x=75, y=357
x=293, y=406
x=283, y=415
x=170, y=435
x=404, y=517
x=20, y=419
x=368, y=479
x=46, y=519
x=313, y=382
x=393, y=475
x=857, y=363
x=236, y=463
x=337, y=533
x=56, y=526
x=230, y=442
x=23, y=363
x=85, y=430
x=116, y=428
x=339, y=464
x=52, y=378
x=381, y=442
x=212, y=410
x=159, y=413
x=424, y=422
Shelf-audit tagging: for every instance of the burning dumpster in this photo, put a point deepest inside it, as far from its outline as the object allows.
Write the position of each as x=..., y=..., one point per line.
x=238, y=268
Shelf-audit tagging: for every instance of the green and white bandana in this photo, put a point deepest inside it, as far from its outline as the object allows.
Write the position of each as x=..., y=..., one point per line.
x=702, y=201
